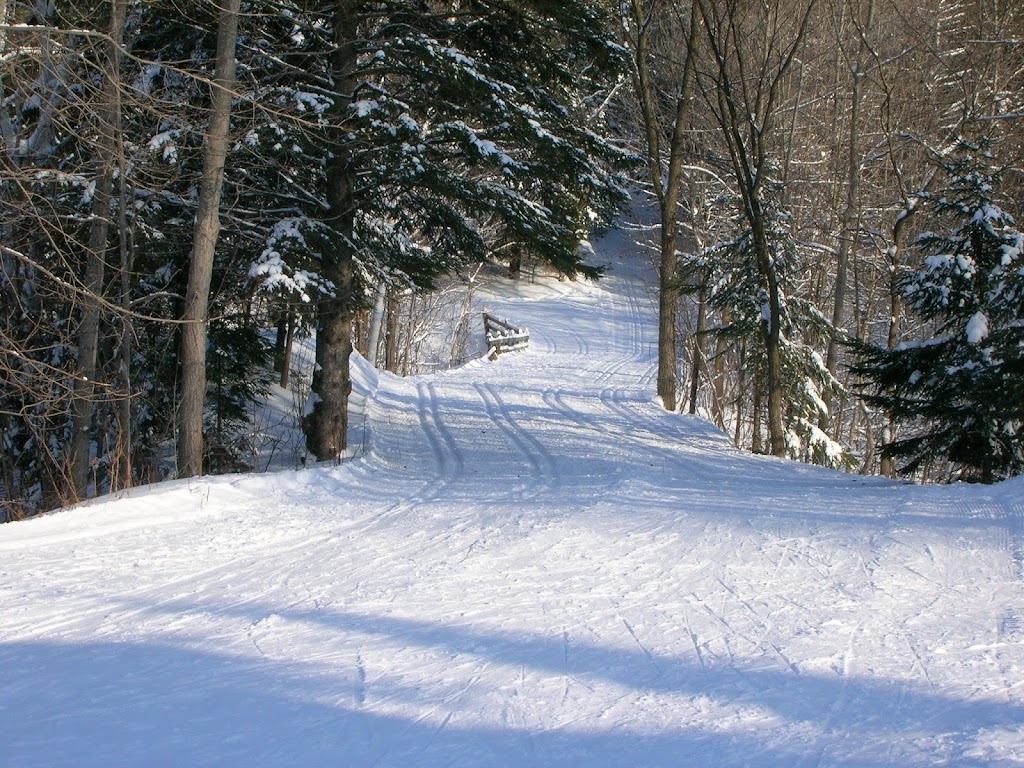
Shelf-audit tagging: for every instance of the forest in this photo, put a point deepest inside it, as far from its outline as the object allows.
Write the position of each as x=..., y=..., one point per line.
x=187, y=187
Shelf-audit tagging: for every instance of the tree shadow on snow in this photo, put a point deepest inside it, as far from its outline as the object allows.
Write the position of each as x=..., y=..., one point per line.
x=127, y=704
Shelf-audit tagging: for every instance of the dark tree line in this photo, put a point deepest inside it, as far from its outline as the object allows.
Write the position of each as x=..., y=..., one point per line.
x=168, y=192
x=837, y=183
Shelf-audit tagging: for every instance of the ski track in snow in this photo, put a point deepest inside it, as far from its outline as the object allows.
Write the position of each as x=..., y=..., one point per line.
x=530, y=564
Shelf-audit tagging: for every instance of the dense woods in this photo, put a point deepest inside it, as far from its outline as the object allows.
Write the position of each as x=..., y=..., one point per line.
x=829, y=224
x=187, y=185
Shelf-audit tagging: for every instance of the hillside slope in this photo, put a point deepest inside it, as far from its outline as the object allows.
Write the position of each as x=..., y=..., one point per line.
x=530, y=564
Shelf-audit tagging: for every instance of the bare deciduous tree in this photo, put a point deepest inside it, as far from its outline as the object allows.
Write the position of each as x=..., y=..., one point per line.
x=665, y=102
x=753, y=50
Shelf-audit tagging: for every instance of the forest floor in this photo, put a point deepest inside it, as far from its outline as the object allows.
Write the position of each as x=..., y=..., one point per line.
x=529, y=563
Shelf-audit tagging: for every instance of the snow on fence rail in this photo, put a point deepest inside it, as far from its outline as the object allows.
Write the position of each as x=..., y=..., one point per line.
x=502, y=337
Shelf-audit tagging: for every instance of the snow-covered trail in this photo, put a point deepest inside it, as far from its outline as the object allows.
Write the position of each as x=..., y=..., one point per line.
x=531, y=564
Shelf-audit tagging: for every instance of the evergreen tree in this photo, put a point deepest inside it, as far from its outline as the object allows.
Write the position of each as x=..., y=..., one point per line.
x=737, y=288
x=959, y=394
x=426, y=122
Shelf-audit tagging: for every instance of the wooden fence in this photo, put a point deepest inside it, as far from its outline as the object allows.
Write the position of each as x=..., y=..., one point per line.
x=502, y=337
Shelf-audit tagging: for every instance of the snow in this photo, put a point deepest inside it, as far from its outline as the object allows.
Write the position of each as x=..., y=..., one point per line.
x=458, y=56
x=977, y=328
x=488, y=148
x=314, y=101
x=409, y=123
x=528, y=563
x=989, y=212
x=164, y=142
x=365, y=107
x=273, y=270
x=815, y=397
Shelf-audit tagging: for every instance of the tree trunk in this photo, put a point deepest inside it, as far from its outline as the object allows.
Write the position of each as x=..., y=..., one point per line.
x=851, y=210
x=122, y=472
x=376, y=325
x=746, y=109
x=887, y=465
x=667, y=182
x=698, y=347
x=207, y=230
x=741, y=388
x=394, y=310
x=772, y=337
x=515, y=264
x=755, y=439
x=719, y=404
x=109, y=122
x=286, y=353
x=326, y=426
x=668, y=296
x=281, y=339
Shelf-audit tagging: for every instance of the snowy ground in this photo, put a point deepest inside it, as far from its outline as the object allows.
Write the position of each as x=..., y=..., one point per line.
x=531, y=564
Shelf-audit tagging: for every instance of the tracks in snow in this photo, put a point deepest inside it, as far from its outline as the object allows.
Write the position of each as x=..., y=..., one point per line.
x=542, y=466
x=482, y=578
x=449, y=457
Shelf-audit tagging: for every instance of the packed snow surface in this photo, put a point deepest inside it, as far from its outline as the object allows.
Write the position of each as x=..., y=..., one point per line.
x=528, y=563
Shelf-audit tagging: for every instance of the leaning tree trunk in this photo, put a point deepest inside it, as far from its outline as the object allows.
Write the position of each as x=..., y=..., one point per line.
x=195, y=317
x=326, y=426
x=745, y=108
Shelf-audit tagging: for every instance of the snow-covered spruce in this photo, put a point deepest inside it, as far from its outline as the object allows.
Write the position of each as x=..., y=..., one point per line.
x=959, y=393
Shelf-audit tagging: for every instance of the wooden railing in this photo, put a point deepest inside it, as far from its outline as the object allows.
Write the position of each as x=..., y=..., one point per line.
x=502, y=337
